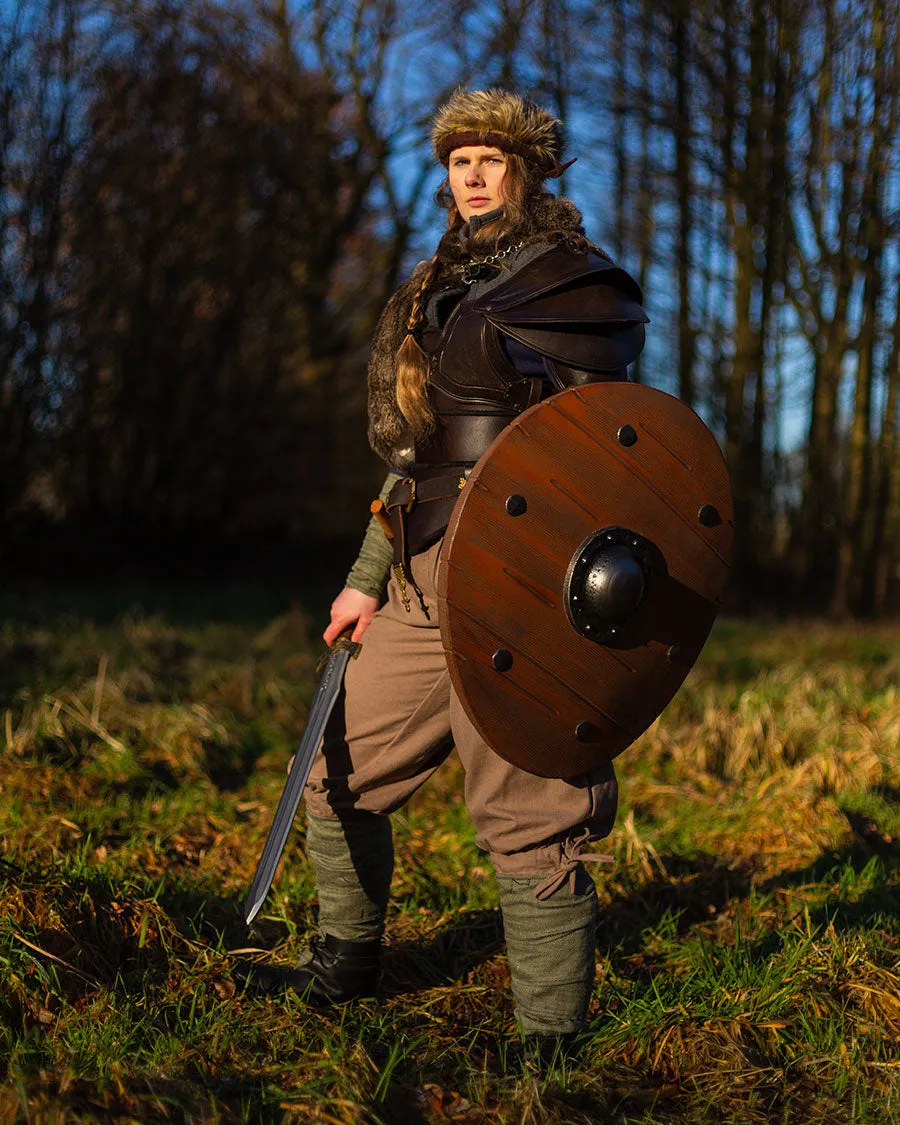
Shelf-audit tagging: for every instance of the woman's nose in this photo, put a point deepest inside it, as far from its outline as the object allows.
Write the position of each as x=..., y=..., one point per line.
x=473, y=176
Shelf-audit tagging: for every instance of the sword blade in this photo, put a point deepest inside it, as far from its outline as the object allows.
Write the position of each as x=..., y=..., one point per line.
x=319, y=713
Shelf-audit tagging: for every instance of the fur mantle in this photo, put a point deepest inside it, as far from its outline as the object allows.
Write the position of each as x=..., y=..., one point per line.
x=550, y=219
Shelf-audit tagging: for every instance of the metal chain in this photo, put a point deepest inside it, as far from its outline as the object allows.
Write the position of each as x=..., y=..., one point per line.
x=490, y=260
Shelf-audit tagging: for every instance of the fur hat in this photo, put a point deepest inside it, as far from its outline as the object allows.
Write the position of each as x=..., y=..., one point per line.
x=503, y=120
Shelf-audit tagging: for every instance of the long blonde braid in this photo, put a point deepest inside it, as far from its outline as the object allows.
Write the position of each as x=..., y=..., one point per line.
x=412, y=363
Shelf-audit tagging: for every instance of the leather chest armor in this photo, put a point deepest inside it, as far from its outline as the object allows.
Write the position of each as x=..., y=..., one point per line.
x=580, y=313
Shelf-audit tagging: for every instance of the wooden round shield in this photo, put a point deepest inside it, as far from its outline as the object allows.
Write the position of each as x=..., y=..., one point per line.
x=609, y=491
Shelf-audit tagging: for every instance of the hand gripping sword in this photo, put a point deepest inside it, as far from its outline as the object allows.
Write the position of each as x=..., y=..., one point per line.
x=322, y=705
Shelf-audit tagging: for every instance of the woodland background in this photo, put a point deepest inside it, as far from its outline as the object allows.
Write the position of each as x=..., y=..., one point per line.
x=204, y=207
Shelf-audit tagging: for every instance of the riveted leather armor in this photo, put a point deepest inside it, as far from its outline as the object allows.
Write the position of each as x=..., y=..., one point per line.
x=578, y=312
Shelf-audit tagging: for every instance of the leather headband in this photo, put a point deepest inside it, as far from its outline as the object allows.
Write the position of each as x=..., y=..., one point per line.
x=550, y=167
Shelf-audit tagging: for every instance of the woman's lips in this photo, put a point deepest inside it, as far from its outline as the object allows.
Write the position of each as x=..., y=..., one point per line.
x=477, y=200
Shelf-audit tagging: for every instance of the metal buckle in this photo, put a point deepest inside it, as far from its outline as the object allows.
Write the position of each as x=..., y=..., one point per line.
x=412, y=494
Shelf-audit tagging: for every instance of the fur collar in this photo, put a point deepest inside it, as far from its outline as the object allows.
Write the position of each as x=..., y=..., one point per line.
x=549, y=219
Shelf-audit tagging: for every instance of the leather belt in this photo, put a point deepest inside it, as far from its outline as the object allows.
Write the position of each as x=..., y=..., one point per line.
x=419, y=510
x=421, y=490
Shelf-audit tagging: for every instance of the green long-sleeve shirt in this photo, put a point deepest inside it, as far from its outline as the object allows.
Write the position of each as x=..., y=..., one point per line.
x=369, y=573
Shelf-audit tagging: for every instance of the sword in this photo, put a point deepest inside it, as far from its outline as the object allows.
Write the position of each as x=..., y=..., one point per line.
x=322, y=705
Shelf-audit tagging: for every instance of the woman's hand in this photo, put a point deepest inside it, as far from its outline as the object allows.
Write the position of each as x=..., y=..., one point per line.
x=350, y=607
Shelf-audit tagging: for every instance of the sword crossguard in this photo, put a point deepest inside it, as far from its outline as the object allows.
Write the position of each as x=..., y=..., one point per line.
x=345, y=644
x=342, y=644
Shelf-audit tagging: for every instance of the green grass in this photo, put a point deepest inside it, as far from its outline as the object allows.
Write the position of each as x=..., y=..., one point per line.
x=748, y=954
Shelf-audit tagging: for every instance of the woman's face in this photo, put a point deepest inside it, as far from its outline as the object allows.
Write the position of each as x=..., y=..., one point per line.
x=476, y=179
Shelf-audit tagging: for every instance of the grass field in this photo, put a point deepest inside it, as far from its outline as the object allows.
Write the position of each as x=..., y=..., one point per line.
x=748, y=956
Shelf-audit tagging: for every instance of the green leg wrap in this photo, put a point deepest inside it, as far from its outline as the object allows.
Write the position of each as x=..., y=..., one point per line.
x=550, y=944
x=353, y=860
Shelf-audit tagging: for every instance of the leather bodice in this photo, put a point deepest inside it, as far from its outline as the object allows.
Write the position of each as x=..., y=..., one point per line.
x=469, y=367
x=474, y=388
x=578, y=311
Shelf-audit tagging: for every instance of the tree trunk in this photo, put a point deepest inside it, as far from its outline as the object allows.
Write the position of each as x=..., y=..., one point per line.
x=846, y=595
x=685, y=203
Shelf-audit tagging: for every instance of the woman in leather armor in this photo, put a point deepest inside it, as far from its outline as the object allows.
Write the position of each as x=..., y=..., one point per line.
x=455, y=358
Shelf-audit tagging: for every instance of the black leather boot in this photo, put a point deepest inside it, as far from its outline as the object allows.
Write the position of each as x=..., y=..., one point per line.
x=332, y=972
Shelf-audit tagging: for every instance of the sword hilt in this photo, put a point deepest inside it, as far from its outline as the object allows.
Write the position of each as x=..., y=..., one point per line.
x=345, y=643
x=342, y=644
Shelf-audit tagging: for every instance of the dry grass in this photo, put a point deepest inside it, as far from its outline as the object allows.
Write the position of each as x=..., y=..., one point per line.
x=747, y=958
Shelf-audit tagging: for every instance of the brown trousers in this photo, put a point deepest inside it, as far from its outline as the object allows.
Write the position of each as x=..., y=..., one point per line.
x=398, y=720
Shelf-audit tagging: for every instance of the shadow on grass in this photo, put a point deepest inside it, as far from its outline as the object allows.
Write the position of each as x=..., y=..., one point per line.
x=890, y=793
x=845, y=910
x=698, y=887
x=109, y=945
x=117, y=938
x=44, y=1094
x=702, y=887
x=227, y=1100
x=449, y=956
x=155, y=779
x=620, y=1103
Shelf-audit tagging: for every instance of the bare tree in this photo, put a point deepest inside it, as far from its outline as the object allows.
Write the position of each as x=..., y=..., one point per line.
x=42, y=59
x=203, y=224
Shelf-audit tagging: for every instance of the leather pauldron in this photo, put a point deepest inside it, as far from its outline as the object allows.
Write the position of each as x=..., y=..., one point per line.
x=578, y=310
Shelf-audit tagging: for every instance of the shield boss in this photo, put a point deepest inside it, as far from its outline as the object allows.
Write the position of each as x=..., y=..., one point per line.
x=581, y=573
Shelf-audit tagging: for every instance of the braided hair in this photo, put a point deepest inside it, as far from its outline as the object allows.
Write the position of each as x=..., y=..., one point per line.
x=412, y=363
